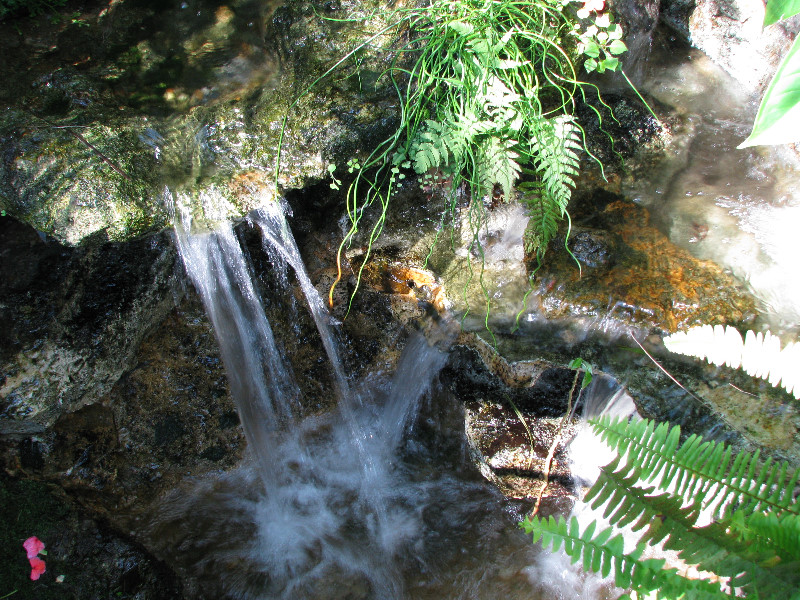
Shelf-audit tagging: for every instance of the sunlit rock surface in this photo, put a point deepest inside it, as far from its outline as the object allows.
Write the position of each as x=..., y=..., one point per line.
x=98, y=119
x=628, y=267
x=732, y=34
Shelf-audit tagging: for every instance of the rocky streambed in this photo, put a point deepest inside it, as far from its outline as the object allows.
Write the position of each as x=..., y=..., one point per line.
x=113, y=394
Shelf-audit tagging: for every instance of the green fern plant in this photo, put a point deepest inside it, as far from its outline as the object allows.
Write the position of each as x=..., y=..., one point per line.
x=487, y=99
x=758, y=354
x=664, y=490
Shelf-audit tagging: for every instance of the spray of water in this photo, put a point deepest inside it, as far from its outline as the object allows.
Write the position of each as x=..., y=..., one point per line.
x=374, y=500
x=333, y=500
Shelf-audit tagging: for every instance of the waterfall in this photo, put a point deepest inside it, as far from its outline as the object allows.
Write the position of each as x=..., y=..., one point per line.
x=330, y=495
x=373, y=500
x=261, y=383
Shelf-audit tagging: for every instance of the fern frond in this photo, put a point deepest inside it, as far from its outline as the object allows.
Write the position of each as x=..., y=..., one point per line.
x=760, y=355
x=544, y=215
x=437, y=144
x=701, y=469
x=665, y=518
x=605, y=554
x=497, y=164
x=429, y=150
x=555, y=144
x=769, y=532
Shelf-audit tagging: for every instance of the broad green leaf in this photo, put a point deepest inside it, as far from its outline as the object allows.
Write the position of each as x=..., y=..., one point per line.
x=615, y=32
x=777, y=10
x=778, y=118
x=609, y=63
x=591, y=49
x=617, y=47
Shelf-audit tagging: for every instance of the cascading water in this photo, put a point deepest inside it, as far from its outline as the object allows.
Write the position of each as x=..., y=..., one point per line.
x=261, y=383
x=332, y=501
x=373, y=500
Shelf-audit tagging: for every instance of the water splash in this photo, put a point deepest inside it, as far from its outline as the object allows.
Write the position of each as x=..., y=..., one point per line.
x=333, y=499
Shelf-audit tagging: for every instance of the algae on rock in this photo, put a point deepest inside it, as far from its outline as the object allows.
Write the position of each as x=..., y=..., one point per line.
x=193, y=99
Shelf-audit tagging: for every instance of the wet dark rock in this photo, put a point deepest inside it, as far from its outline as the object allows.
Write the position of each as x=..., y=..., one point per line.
x=73, y=319
x=84, y=560
x=624, y=136
x=593, y=248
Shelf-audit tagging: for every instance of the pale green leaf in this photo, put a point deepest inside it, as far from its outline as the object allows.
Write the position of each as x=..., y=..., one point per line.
x=617, y=47
x=461, y=28
x=778, y=118
x=609, y=63
x=615, y=32
x=591, y=49
x=777, y=10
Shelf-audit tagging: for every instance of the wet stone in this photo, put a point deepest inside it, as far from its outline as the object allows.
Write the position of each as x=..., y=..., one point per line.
x=641, y=278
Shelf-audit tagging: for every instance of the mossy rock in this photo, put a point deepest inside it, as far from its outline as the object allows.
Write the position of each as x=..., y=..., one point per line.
x=105, y=130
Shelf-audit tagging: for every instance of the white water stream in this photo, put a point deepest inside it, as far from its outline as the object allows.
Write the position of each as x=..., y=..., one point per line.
x=375, y=500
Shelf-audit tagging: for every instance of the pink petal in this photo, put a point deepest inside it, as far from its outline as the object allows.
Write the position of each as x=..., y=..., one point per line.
x=37, y=567
x=33, y=546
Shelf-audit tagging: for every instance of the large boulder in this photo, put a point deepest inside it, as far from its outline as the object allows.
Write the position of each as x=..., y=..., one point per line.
x=101, y=122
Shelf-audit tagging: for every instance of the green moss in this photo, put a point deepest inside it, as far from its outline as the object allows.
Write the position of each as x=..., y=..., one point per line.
x=34, y=7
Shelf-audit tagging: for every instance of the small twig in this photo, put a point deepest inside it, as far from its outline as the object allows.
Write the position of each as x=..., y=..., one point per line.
x=702, y=401
x=667, y=373
x=738, y=389
x=525, y=425
x=88, y=144
x=556, y=440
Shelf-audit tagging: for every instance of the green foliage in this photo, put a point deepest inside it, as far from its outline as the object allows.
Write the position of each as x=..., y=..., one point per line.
x=602, y=44
x=662, y=489
x=758, y=354
x=778, y=117
x=579, y=363
x=554, y=146
x=778, y=10
x=605, y=554
x=487, y=99
x=34, y=7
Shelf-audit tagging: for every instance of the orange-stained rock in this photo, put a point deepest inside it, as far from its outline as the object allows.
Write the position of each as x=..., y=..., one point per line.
x=644, y=277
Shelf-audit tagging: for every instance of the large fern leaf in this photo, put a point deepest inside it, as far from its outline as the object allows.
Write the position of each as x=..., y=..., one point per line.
x=429, y=149
x=497, y=164
x=437, y=144
x=701, y=469
x=555, y=144
x=605, y=554
x=759, y=354
x=667, y=518
x=544, y=215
